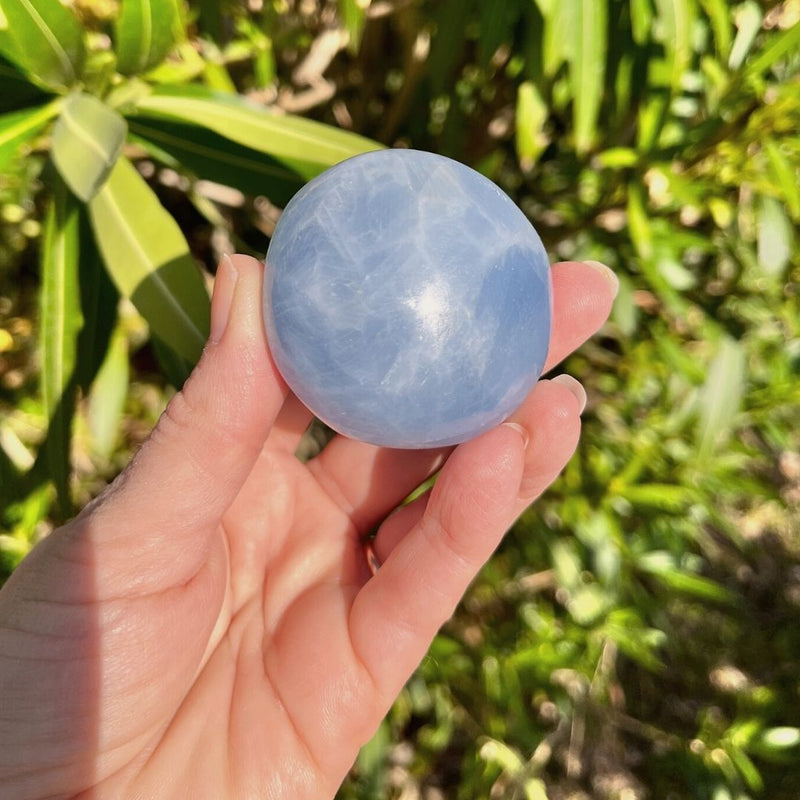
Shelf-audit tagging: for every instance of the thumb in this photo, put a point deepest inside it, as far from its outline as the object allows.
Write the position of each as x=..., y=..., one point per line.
x=172, y=496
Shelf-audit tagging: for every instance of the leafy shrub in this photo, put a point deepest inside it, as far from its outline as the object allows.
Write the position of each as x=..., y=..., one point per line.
x=636, y=634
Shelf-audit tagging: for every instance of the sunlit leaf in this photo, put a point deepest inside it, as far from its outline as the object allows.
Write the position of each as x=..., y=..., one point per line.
x=652, y=116
x=721, y=396
x=61, y=322
x=747, y=769
x=107, y=396
x=780, y=45
x=675, y=19
x=775, y=236
x=566, y=563
x=19, y=127
x=145, y=33
x=719, y=14
x=305, y=146
x=662, y=566
x=87, y=139
x=666, y=497
x=782, y=738
x=353, y=14
x=784, y=170
x=532, y=114
x=641, y=20
x=588, y=63
x=48, y=41
x=148, y=258
x=748, y=19
x=559, y=32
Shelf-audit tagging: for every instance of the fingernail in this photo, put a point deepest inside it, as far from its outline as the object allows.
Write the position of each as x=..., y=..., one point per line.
x=606, y=272
x=224, y=286
x=520, y=430
x=575, y=387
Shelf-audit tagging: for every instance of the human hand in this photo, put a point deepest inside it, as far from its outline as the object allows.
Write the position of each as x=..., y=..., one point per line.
x=210, y=626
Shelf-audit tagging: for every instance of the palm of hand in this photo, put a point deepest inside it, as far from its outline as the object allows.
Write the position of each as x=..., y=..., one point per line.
x=295, y=565
x=211, y=627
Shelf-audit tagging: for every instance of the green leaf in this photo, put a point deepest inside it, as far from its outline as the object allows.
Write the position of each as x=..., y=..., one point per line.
x=784, y=171
x=559, y=30
x=641, y=20
x=145, y=33
x=719, y=14
x=99, y=301
x=107, y=397
x=675, y=20
x=662, y=566
x=87, y=139
x=305, y=146
x=353, y=14
x=497, y=24
x=567, y=564
x=782, y=738
x=652, y=115
x=747, y=768
x=617, y=158
x=588, y=68
x=149, y=260
x=48, y=41
x=638, y=222
x=19, y=127
x=663, y=496
x=721, y=396
x=531, y=118
x=748, y=23
x=208, y=155
x=775, y=236
x=780, y=45
x=61, y=322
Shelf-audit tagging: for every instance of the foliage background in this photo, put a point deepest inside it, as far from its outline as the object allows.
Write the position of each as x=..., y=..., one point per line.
x=637, y=635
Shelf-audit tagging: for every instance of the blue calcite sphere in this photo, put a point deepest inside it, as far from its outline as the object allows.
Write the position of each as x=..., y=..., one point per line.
x=407, y=300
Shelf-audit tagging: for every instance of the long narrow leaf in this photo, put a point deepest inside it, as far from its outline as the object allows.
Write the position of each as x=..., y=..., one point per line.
x=719, y=14
x=775, y=236
x=87, y=138
x=208, y=155
x=641, y=12
x=749, y=17
x=19, y=127
x=721, y=396
x=48, y=41
x=149, y=261
x=107, y=396
x=676, y=18
x=99, y=301
x=559, y=25
x=306, y=146
x=532, y=113
x=780, y=45
x=783, y=171
x=145, y=33
x=588, y=69
x=353, y=14
x=60, y=325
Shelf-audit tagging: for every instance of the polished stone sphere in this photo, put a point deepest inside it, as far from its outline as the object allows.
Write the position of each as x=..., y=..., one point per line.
x=407, y=300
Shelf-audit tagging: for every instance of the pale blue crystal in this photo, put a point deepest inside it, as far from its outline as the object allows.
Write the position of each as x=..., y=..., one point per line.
x=407, y=300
